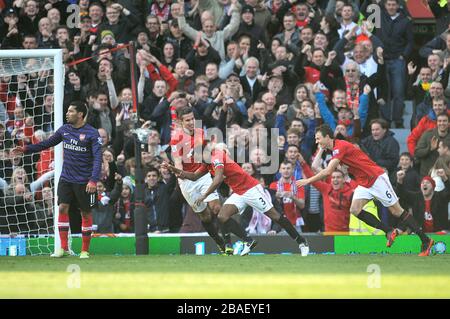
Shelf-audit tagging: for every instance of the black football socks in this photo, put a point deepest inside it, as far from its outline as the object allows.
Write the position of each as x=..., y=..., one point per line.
x=373, y=221
x=409, y=221
x=290, y=229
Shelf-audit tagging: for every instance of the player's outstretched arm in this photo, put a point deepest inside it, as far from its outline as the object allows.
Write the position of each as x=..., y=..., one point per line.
x=55, y=139
x=321, y=175
x=183, y=174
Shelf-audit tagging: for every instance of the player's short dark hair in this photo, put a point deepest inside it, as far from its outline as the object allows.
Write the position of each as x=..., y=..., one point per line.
x=325, y=130
x=184, y=111
x=80, y=107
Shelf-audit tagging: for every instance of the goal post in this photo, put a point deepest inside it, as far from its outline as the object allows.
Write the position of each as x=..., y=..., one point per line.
x=23, y=65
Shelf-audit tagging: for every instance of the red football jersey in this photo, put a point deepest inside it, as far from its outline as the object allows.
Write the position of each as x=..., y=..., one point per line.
x=183, y=144
x=234, y=176
x=364, y=170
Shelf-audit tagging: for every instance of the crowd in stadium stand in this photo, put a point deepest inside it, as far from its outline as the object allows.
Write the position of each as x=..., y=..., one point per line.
x=243, y=66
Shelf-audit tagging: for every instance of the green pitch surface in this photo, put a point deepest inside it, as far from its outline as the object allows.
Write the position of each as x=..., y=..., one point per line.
x=212, y=276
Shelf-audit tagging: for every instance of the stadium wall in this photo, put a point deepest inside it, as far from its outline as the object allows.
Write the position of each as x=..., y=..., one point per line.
x=186, y=244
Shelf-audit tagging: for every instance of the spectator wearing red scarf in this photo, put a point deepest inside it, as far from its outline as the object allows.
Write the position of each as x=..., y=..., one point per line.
x=291, y=197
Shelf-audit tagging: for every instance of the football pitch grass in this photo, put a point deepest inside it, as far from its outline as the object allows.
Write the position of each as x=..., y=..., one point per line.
x=221, y=277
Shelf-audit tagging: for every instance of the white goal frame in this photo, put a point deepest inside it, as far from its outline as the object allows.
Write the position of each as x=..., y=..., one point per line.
x=58, y=98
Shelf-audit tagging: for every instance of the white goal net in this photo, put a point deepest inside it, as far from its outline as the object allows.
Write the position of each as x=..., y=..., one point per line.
x=31, y=102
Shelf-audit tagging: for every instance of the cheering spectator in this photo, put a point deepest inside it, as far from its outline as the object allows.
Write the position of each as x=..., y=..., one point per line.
x=381, y=146
x=426, y=149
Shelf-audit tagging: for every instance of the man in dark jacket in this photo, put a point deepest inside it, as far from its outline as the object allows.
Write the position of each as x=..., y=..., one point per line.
x=397, y=36
x=381, y=146
x=121, y=22
x=157, y=199
x=412, y=179
x=101, y=115
x=249, y=28
x=429, y=207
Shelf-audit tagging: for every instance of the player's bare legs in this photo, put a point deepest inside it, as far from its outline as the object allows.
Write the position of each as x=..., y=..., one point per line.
x=86, y=232
x=289, y=228
x=357, y=206
x=215, y=207
x=232, y=226
x=206, y=217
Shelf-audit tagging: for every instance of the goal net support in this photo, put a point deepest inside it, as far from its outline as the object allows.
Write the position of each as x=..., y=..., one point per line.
x=31, y=109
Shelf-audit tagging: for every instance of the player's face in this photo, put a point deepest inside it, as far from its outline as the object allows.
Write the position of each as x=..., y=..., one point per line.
x=188, y=121
x=323, y=141
x=72, y=115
